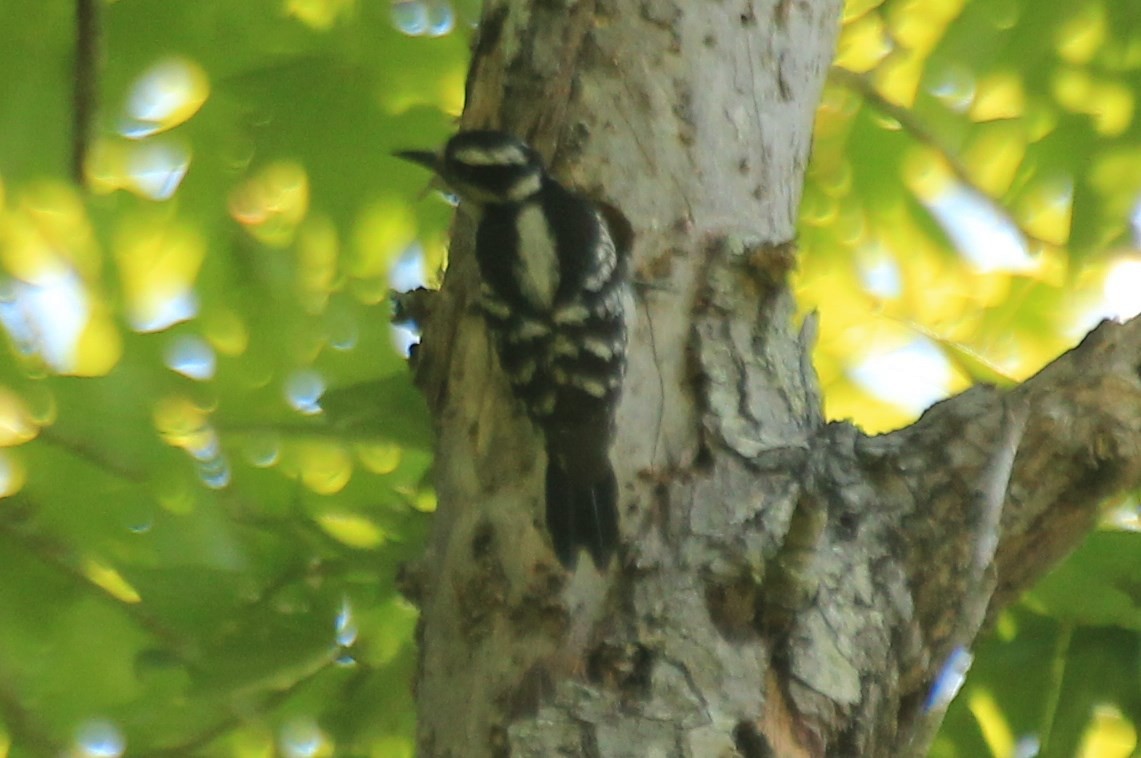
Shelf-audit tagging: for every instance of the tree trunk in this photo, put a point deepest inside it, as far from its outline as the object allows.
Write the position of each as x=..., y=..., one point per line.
x=786, y=586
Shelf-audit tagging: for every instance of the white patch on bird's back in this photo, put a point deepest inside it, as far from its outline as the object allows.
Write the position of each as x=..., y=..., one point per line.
x=600, y=348
x=564, y=347
x=504, y=155
x=538, y=265
x=524, y=373
x=493, y=305
x=528, y=329
x=606, y=260
x=545, y=405
x=615, y=302
x=590, y=385
x=573, y=313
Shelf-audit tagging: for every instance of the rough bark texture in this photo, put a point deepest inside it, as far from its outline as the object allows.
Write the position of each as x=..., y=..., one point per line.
x=787, y=587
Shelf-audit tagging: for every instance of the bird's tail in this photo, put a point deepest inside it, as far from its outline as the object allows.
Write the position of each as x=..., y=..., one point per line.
x=582, y=514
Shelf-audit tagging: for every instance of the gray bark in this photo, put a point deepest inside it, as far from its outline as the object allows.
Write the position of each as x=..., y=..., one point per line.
x=787, y=587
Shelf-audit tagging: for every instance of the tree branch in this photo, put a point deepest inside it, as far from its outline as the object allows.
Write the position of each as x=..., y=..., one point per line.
x=85, y=93
x=1081, y=443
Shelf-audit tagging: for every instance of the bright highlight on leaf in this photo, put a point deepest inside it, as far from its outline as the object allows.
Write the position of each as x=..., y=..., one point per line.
x=191, y=356
x=158, y=262
x=1108, y=102
x=1046, y=209
x=183, y=424
x=994, y=156
x=920, y=24
x=226, y=331
x=989, y=241
x=394, y=747
x=425, y=501
x=1109, y=735
x=16, y=423
x=998, y=96
x=953, y=83
x=388, y=639
x=318, y=14
x=51, y=305
x=992, y=721
x=381, y=234
x=13, y=473
x=302, y=738
x=926, y=173
x=164, y=96
x=913, y=376
x=50, y=225
x=99, y=738
x=100, y=344
x=303, y=390
x=324, y=467
x=151, y=169
x=898, y=77
x=432, y=18
x=1072, y=88
x=1122, y=289
x=351, y=529
x=318, y=250
x=863, y=44
x=46, y=319
x=378, y=457
x=110, y=581
x=1115, y=104
x=262, y=450
x=1079, y=38
x=272, y=203
x=157, y=168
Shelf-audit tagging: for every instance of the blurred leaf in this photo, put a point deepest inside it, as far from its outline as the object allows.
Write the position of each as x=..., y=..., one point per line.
x=1099, y=585
x=183, y=523
x=387, y=409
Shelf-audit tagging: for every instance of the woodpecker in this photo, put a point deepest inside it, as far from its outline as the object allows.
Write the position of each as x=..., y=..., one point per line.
x=553, y=292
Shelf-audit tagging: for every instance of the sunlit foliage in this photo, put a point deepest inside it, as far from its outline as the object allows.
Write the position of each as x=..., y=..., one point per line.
x=211, y=457
x=197, y=551
x=973, y=207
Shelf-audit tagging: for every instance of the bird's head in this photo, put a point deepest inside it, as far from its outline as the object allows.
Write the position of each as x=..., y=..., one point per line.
x=484, y=167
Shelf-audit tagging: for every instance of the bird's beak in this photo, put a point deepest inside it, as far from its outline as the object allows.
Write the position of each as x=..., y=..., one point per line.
x=430, y=161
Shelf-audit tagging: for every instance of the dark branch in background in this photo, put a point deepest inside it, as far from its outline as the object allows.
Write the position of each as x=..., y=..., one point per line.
x=20, y=533
x=86, y=84
x=246, y=713
x=25, y=730
x=911, y=124
x=98, y=457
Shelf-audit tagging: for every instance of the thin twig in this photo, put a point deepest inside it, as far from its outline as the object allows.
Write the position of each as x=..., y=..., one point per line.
x=92, y=455
x=25, y=730
x=86, y=82
x=228, y=723
x=63, y=560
